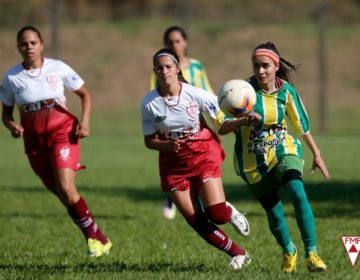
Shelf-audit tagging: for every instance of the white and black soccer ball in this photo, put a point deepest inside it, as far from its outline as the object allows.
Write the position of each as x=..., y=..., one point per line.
x=236, y=97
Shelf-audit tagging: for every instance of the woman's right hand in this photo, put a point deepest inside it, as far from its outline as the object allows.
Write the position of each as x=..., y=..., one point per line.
x=250, y=118
x=16, y=130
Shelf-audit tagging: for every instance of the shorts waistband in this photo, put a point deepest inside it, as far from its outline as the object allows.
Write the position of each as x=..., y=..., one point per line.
x=40, y=105
x=180, y=134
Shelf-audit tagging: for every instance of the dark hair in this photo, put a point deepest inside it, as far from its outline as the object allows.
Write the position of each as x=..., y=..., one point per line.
x=172, y=53
x=172, y=29
x=285, y=67
x=27, y=28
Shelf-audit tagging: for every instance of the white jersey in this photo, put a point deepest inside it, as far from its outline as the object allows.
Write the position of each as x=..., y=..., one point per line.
x=21, y=86
x=179, y=114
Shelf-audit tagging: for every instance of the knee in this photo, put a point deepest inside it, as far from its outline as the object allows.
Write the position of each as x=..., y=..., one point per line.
x=219, y=213
x=67, y=192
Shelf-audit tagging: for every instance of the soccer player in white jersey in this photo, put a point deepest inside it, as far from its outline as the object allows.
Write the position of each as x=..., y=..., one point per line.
x=176, y=39
x=190, y=155
x=50, y=132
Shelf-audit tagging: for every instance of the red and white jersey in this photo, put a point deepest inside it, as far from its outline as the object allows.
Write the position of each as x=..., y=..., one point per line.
x=177, y=115
x=21, y=86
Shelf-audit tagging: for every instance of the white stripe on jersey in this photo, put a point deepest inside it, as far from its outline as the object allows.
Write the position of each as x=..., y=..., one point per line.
x=163, y=116
x=21, y=86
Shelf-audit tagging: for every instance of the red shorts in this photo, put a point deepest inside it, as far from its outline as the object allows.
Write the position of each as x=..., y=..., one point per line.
x=51, y=141
x=196, y=163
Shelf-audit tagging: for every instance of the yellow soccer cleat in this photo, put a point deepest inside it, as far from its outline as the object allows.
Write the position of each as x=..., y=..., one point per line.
x=314, y=263
x=97, y=249
x=289, y=262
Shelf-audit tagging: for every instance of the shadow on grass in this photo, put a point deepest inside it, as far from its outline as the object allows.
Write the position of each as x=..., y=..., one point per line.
x=338, y=198
x=106, y=267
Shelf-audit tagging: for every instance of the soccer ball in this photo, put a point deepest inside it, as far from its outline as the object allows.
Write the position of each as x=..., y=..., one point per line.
x=236, y=97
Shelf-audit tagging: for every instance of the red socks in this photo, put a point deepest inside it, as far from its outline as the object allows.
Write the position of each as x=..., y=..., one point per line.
x=213, y=235
x=82, y=217
x=219, y=213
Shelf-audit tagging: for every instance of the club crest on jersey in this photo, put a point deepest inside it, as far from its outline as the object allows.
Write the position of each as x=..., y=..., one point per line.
x=65, y=153
x=52, y=81
x=191, y=110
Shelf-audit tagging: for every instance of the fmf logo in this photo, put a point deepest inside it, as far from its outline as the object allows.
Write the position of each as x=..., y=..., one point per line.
x=352, y=247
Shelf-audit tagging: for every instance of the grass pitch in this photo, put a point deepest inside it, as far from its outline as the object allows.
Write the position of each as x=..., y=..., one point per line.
x=121, y=185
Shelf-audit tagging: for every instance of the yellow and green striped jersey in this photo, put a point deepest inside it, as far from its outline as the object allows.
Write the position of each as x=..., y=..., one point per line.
x=260, y=147
x=194, y=74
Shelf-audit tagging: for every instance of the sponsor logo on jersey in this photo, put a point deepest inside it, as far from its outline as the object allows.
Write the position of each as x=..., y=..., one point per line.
x=65, y=152
x=212, y=107
x=52, y=81
x=159, y=119
x=21, y=89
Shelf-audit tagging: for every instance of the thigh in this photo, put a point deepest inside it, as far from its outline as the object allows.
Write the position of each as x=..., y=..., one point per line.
x=40, y=161
x=288, y=162
x=212, y=192
x=186, y=201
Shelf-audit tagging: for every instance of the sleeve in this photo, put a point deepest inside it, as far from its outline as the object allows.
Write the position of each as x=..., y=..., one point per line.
x=148, y=126
x=6, y=95
x=296, y=113
x=209, y=106
x=70, y=78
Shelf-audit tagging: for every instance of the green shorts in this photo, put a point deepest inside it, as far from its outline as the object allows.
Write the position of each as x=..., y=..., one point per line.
x=273, y=179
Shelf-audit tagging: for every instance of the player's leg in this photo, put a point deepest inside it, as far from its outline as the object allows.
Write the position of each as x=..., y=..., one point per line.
x=279, y=229
x=218, y=210
x=65, y=162
x=304, y=218
x=187, y=204
x=80, y=213
x=169, y=208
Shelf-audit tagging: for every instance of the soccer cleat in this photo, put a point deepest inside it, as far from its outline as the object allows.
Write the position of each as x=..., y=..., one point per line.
x=238, y=221
x=289, y=262
x=240, y=261
x=97, y=249
x=169, y=210
x=314, y=263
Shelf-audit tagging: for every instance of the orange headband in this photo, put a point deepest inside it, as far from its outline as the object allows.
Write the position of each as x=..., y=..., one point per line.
x=269, y=53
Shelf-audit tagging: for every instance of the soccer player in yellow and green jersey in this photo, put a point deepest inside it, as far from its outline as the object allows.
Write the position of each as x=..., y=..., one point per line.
x=176, y=39
x=267, y=157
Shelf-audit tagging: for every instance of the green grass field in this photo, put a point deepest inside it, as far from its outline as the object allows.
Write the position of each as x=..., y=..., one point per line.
x=121, y=185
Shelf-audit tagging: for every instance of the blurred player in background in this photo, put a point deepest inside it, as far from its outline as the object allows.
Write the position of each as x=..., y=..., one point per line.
x=176, y=39
x=268, y=158
x=50, y=132
x=190, y=156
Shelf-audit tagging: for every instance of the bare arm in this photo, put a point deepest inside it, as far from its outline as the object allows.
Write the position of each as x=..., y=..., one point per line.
x=86, y=103
x=232, y=125
x=317, y=161
x=154, y=143
x=15, y=129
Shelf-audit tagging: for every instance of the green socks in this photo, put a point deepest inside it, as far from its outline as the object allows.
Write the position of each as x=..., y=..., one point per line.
x=304, y=216
x=279, y=229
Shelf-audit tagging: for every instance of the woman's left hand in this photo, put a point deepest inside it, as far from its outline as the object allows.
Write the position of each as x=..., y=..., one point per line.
x=83, y=131
x=319, y=163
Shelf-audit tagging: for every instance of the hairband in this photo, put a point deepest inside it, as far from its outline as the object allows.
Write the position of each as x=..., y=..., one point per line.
x=269, y=53
x=166, y=54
